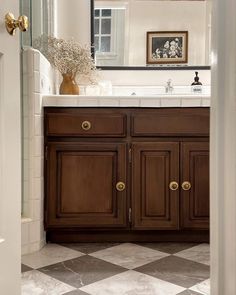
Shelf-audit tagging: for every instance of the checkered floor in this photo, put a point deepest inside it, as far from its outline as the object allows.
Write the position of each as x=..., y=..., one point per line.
x=117, y=269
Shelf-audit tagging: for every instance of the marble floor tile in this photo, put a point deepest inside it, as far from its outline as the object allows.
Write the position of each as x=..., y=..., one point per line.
x=200, y=253
x=37, y=283
x=129, y=255
x=25, y=268
x=76, y=292
x=82, y=271
x=189, y=292
x=132, y=283
x=170, y=248
x=177, y=270
x=89, y=248
x=50, y=254
x=202, y=288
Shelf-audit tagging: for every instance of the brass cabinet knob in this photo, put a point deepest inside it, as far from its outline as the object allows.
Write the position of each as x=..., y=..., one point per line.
x=174, y=185
x=186, y=186
x=12, y=24
x=120, y=186
x=86, y=125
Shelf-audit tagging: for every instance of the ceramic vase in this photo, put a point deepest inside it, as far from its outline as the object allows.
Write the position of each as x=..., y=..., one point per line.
x=69, y=85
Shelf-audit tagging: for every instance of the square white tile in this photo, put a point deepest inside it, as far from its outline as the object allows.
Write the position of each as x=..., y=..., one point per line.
x=199, y=253
x=129, y=255
x=132, y=283
x=203, y=287
x=37, y=283
x=50, y=254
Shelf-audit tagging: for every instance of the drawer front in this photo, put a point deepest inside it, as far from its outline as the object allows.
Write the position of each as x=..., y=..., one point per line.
x=171, y=122
x=85, y=125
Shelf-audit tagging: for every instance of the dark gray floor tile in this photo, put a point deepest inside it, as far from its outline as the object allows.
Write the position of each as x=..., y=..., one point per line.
x=25, y=268
x=177, y=270
x=82, y=271
x=171, y=248
x=89, y=248
x=189, y=292
x=76, y=292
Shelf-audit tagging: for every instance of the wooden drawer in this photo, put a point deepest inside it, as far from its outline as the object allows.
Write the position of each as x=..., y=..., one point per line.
x=92, y=124
x=171, y=122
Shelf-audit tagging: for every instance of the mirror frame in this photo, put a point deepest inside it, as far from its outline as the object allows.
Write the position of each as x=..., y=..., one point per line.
x=138, y=68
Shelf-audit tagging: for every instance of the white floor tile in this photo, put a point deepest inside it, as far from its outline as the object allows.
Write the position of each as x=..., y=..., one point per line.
x=129, y=255
x=37, y=283
x=132, y=283
x=200, y=253
x=203, y=287
x=50, y=254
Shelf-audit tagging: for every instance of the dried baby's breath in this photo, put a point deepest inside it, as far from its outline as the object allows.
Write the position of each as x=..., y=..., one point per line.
x=68, y=57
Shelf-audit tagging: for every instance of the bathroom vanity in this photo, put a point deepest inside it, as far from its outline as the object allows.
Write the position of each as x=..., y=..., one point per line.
x=126, y=174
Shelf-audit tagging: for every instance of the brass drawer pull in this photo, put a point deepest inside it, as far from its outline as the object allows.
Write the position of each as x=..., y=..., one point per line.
x=186, y=186
x=120, y=186
x=86, y=125
x=174, y=185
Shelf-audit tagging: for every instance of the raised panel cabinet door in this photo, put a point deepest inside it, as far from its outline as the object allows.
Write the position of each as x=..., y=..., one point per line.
x=81, y=185
x=154, y=167
x=194, y=205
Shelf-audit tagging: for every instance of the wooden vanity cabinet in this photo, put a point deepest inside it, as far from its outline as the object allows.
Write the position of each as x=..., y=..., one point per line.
x=170, y=188
x=194, y=198
x=126, y=174
x=154, y=204
x=81, y=188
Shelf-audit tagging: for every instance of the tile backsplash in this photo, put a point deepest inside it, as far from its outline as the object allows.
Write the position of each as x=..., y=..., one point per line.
x=38, y=78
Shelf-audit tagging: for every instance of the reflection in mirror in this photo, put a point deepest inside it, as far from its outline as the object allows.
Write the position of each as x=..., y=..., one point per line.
x=120, y=30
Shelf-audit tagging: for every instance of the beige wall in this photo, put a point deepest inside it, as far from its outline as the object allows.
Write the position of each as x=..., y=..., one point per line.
x=73, y=20
x=167, y=16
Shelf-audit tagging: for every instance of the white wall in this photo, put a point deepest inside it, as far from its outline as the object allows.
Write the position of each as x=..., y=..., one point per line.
x=73, y=20
x=155, y=78
x=167, y=16
x=223, y=147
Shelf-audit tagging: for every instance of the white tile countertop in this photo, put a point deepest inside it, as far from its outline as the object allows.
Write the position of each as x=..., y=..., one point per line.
x=197, y=100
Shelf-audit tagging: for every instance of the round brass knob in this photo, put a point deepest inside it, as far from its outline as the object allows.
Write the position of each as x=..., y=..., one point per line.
x=120, y=186
x=12, y=24
x=174, y=185
x=186, y=186
x=86, y=125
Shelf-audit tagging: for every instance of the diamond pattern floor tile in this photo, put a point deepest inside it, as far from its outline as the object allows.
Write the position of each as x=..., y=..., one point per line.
x=82, y=271
x=132, y=283
x=200, y=253
x=170, y=248
x=50, y=254
x=202, y=288
x=89, y=248
x=189, y=292
x=25, y=268
x=117, y=269
x=76, y=292
x=129, y=255
x=37, y=283
x=176, y=270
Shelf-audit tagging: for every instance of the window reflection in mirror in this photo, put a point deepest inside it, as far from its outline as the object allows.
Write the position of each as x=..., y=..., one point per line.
x=109, y=36
x=120, y=29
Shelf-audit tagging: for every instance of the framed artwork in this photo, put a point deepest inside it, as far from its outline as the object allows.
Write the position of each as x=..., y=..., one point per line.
x=167, y=47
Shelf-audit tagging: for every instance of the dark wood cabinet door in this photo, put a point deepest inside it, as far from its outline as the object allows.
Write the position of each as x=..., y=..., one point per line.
x=154, y=165
x=81, y=185
x=195, y=201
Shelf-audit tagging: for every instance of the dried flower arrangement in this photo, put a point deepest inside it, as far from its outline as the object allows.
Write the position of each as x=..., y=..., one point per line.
x=70, y=58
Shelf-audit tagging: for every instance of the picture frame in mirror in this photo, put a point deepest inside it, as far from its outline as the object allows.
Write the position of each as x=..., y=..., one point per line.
x=167, y=47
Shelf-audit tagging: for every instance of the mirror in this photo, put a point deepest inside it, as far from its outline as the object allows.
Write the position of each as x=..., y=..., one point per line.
x=121, y=38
